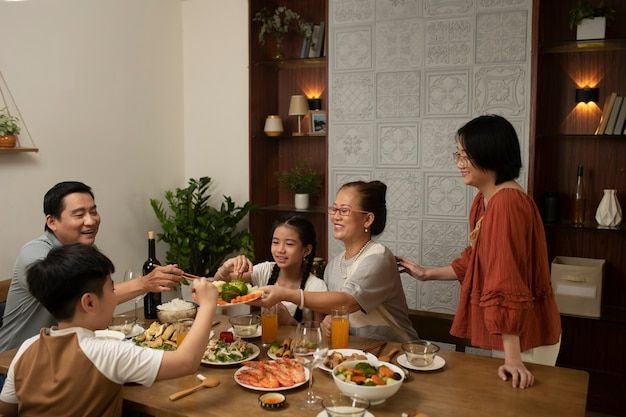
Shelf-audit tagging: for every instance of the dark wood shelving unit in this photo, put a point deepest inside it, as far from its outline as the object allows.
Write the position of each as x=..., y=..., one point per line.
x=272, y=83
x=18, y=150
x=561, y=139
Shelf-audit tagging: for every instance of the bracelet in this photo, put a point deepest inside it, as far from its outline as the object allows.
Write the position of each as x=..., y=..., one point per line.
x=301, y=299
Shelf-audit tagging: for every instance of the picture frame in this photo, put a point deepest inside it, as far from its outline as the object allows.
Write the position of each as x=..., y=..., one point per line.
x=318, y=122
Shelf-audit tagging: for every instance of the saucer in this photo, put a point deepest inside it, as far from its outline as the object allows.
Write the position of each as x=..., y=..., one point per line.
x=323, y=414
x=438, y=363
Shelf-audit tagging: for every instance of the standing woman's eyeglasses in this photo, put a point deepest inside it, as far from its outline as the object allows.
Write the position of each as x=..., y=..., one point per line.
x=458, y=157
x=343, y=210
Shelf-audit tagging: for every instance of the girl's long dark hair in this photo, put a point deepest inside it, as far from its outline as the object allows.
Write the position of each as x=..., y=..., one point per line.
x=306, y=234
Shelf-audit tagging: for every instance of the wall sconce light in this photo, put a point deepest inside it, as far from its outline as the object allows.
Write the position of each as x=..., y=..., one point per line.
x=587, y=94
x=298, y=107
x=315, y=103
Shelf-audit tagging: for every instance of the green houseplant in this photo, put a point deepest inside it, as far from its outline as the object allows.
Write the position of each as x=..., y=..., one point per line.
x=8, y=129
x=200, y=236
x=589, y=20
x=302, y=180
x=278, y=23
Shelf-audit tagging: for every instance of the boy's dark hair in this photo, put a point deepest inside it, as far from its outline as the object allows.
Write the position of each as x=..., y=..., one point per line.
x=53, y=200
x=372, y=195
x=491, y=144
x=61, y=278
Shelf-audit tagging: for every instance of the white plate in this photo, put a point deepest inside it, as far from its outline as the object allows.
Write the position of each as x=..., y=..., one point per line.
x=257, y=334
x=135, y=331
x=252, y=387
x=323, y=414
x=239, y=304
x=109, y=334
x=255, y=353
x=348, y=352
x=438, y=363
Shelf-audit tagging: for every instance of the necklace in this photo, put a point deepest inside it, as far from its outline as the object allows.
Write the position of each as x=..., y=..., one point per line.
x=343, y=261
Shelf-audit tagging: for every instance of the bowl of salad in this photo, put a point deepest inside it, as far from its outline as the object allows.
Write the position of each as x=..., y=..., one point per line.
x=373, y=380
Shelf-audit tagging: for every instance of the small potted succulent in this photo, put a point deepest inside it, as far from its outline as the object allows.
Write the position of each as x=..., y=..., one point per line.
x=9, y=129
x=278, y=23
x=589, y=20
x=302, y=180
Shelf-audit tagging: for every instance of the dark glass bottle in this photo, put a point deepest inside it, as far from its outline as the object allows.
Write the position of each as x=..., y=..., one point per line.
x=579, y=198
x=152, y=299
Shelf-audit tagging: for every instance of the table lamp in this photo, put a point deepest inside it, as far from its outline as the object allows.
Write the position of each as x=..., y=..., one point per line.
x=298, y=107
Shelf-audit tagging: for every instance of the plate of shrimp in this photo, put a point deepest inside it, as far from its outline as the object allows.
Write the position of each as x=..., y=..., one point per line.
x=272, y=375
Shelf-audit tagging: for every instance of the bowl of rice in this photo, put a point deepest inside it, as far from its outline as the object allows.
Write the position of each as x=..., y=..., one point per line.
x=175, y=310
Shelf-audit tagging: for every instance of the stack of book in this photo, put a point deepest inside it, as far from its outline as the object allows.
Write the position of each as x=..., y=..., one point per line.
x=613, y=120
x=313, y=47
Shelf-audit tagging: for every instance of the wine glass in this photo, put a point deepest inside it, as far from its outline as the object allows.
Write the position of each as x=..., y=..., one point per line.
x=310, y=348
x=129, y=275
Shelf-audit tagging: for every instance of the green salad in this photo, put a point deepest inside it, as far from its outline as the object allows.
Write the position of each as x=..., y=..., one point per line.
x=224, y=352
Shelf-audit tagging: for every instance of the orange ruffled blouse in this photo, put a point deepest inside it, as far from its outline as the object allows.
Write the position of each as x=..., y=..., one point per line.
x=505, y=277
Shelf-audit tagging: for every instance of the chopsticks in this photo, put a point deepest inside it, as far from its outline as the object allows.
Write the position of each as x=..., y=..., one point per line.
x=190, y=276
x=377, y=346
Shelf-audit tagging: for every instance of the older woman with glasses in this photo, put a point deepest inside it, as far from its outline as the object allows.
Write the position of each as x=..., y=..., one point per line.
x=506, y=300
x=364, y=277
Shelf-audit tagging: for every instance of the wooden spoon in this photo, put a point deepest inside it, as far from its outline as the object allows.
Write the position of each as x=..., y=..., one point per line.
x=387, y=357
x=208, y=382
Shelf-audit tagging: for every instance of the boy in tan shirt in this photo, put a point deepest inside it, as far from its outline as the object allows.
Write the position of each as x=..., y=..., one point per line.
x=67, y=371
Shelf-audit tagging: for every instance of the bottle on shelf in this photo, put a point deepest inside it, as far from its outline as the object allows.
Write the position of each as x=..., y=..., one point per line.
x=152, y=299
x=579, y=198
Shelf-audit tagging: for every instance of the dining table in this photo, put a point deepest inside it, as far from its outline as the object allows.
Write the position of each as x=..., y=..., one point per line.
x=467, y=385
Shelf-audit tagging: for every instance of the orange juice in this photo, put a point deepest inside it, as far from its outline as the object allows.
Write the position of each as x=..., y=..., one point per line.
x=339, y=332
x=182, y=329
x=269, y=324
x=180, y=336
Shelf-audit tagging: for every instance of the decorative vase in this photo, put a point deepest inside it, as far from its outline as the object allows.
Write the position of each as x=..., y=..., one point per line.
x=301, y=201
x=8, y=141
x=591, y=28
x=278, y=52
x=273, y=125
x=609, y=212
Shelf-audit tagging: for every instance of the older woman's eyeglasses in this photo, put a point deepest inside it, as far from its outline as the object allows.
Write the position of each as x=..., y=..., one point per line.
x=343, y=210
x=458, y=157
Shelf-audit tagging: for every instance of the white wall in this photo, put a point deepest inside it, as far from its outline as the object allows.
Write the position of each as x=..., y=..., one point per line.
x=100, y=85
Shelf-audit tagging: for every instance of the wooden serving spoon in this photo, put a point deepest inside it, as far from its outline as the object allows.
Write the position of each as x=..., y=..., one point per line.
x=208, y=382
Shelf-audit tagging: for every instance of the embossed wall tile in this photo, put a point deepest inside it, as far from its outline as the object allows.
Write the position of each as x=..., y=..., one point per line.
x=410, y=231
x=500, y=90
x=404, y=192
x=397, y=9
x=352, y=11
x=352, y=96
x=498, y=4
x=398, y=145
x=449, y=42
x=446, y=195
x=339, y=177
x=398, y=94
x=442, y=241
x=438, y=142
x=352, y=145
x=353, y=48
x=390, y=234
x=439, y=296
x=399, y=44
x=501, y=37
x=447, y=93
x=447, y=7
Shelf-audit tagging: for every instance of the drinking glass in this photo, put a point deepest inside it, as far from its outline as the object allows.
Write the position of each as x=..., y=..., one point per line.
x=129, y=275
x=340, y=328
x=310, y=348
x=269, y=325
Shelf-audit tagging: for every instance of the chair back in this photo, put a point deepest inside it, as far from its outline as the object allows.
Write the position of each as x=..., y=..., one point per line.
x=4, y=290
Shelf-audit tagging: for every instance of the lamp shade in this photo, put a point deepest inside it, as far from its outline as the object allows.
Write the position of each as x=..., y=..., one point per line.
x=298, y=106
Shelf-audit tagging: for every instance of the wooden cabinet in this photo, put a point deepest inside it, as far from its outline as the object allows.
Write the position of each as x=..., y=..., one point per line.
x=561, y=139
x=272, y=83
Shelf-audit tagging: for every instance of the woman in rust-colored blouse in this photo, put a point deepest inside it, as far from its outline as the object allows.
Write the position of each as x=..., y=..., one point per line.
x=506, y=300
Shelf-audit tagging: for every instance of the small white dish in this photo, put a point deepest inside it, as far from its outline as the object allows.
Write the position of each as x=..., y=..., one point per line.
x=259, y=330
x=438, y=363
x=110, y=334
x=323, y=414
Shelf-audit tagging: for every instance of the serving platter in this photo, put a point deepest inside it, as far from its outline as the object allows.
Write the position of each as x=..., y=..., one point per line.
x=438, y=363
x=307, y=375
x=347, y=352
x=222, y=304
x=255, y=352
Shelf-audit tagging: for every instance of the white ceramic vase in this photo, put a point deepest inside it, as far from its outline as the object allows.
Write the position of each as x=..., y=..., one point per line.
x=591, y=28
x=301, y=201
x=609, y=212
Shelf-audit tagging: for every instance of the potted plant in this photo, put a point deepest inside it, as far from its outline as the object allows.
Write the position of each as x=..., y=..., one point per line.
x=200, y=236
x=302, y=180
x=8, y=129
x=590, y=20
x=278, y=23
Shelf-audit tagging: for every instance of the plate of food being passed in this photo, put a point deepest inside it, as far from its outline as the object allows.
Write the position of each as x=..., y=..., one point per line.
x=236, y=292
x=272, y=375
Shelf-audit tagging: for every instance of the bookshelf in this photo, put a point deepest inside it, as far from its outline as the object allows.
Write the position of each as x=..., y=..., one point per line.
x=561, y=139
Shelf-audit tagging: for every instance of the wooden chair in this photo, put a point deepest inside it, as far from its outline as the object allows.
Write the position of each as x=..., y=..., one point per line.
x=4, y=290
x=436, y=327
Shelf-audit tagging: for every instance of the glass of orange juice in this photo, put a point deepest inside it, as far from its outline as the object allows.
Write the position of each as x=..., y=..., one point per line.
x=269, y=324
x=182, y=329
x=340, y=328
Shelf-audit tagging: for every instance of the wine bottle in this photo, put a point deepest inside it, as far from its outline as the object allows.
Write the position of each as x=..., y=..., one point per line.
x=579, y=198
x=152, y=299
